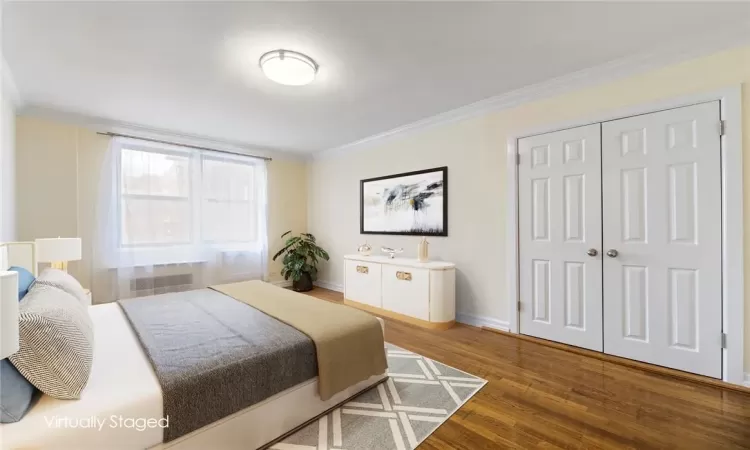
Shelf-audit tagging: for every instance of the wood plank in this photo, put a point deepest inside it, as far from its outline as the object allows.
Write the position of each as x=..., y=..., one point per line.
x=541, y=396
x=624, y=361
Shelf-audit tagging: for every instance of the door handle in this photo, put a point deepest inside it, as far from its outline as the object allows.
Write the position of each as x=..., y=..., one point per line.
x=612, y=253
x=592, y=252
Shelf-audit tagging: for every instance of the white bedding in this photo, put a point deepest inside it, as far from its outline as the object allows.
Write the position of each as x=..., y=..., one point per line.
x=122, y=385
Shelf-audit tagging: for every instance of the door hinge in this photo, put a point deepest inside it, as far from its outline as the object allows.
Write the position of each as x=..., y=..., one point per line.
x=723, y=340
x=518, y=159
x=518, y=306
x=722, y=127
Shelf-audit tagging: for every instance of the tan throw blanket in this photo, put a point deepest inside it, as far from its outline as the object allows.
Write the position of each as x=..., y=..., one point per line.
x=348, y=342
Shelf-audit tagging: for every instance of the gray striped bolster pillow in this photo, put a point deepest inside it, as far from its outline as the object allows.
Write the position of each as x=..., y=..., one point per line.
x=63, y=280
x=56, y=342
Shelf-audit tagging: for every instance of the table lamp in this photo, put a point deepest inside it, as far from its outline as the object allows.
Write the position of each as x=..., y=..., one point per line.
x=58, y=251
x=8, y=313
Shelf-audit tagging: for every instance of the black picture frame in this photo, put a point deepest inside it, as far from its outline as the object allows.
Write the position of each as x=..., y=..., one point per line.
x=444, y=231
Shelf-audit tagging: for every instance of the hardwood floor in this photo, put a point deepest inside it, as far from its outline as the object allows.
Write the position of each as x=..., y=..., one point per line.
x=542, y=397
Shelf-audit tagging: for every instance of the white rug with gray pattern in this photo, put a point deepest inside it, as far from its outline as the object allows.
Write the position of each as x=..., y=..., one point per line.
x=419, y=395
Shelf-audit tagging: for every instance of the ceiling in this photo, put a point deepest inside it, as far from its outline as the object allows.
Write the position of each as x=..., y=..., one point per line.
x=192, y=68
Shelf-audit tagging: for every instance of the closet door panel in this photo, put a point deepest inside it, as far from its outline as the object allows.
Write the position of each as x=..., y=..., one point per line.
x=662, y=216
x=559, y=222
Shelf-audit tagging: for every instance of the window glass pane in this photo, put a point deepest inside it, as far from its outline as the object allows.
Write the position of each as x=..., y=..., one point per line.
x=148, y=173
x=228, y=180
x=148, y=221
x=229, y=206
x=225, y=221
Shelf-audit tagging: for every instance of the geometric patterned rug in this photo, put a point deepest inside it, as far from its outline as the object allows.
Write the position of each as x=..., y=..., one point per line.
x=419, y=395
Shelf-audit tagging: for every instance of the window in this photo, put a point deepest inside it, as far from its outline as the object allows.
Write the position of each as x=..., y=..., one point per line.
x=155, y=198
x=171, y=196
x=229, y=211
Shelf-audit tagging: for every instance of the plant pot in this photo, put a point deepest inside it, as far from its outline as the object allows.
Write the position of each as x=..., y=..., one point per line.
x=304, y=284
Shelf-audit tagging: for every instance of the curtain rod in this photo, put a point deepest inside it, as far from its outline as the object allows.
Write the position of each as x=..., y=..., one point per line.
x=182, y=145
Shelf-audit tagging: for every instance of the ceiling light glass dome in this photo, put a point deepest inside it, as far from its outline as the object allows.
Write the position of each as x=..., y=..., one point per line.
x=288, y=67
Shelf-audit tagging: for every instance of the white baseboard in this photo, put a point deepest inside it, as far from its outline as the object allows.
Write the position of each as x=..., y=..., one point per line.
x=328, y=285
x=482, y=321
x=282, y=283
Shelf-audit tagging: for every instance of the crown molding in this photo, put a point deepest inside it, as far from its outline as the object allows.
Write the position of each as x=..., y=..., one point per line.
x=662, y=56
x=116, y=126
x=10, y=89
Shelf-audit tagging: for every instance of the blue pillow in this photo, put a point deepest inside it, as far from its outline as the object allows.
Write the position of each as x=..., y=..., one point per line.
x=25, y=280
x=16, y=393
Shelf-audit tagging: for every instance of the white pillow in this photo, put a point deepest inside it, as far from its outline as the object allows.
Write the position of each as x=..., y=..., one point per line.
x=56, y=342
x=65, y=281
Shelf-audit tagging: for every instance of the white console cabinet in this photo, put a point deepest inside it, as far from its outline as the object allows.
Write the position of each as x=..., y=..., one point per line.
x=404, y=289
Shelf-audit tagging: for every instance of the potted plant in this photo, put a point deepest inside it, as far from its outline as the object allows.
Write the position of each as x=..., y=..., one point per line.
x=300, y=261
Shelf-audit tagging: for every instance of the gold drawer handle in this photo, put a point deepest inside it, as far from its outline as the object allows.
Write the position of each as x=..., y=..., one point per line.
x=404, y=276
x=363, y=269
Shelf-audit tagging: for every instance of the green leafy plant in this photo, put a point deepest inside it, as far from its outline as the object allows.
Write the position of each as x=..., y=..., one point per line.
x=301, y=256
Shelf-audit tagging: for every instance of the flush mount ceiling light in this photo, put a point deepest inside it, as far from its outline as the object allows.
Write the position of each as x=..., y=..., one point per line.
x=288, y=67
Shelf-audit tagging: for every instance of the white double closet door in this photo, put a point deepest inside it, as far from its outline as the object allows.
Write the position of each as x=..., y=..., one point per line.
x=620, y=237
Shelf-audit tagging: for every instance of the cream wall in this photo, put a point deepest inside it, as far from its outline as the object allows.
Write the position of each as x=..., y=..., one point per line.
x=475, y=207
x=474, y=151
x=58, y=167
x=287, y=206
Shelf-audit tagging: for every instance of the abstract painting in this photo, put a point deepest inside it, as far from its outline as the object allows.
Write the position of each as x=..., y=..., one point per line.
x=412, y=203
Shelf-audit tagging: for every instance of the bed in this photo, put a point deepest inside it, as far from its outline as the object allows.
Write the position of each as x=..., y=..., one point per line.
x=124, y=386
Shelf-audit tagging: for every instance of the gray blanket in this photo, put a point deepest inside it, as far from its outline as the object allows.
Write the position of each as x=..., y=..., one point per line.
x=214, y=356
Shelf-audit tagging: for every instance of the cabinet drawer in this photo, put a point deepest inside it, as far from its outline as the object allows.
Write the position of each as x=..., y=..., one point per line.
x=406, y=290
x=362, y=282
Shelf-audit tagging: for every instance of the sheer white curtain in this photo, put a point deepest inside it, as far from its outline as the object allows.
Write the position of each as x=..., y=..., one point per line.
x=171, y=218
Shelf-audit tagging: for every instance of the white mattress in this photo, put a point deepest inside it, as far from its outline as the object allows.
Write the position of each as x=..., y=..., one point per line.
x=122, y=384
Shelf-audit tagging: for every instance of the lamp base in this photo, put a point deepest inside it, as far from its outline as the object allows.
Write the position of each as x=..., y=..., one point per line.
x=60, y=265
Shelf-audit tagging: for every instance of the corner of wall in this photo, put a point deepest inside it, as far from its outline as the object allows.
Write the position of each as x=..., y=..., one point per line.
x=9, y=88
x=287, y=205
x=8, y=230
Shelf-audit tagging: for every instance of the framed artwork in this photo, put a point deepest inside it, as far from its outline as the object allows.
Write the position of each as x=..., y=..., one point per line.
x=411, y=204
